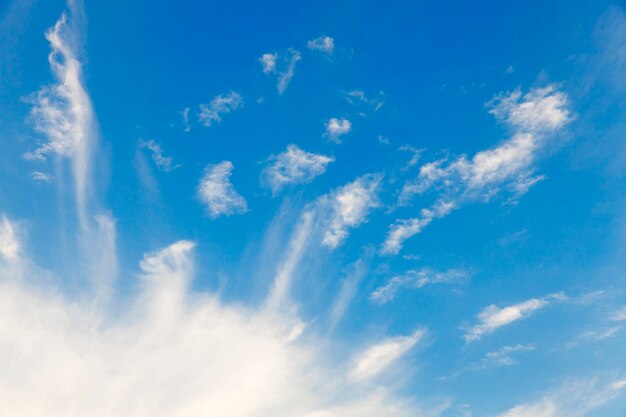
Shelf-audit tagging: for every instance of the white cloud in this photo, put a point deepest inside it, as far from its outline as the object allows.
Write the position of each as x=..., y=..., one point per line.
x=405, y=228
x=336, y=128
x=63, y=112
x=574, y=399
x=510, y=166
x=324, y=44
x=169, y=352
x=163, y=163
x=9, y=242
x=221, y=104
x=619, y=315
x=349, y=207
x=493, y=317
x=367, y=102
x=217, y=192
x=268, y=61
x=185, y=115
x=282, y=64
x=594, y=335
x=355, y=273
x=294, y=166
x=377, y=358
x=41, y=176
x=416, y=279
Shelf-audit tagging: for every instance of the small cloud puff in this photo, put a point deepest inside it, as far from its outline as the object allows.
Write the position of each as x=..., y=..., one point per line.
x=324, y=44
x=294, y=166
x=335, y=128
x=217, y=192
x=221, y=104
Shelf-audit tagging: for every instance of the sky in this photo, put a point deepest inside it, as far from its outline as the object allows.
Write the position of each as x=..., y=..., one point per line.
x=313, y=209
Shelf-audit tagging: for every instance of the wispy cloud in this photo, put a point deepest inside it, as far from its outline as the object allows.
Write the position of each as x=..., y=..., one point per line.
x=406, y=228
x=354, y=274
x=324, y=44
x=573, y=399
x=185, y=115
x=222, y=104
x=163, y=163
x=282, y=65
x=492, y=318
x=172, y=352
x=532, y=118
x=379, y=357
x=349, y=207
x=63, y=112
x=41, y=176
x=294, y=166
x=505, y=356
x=335, y=128
x=9, y=242
x=415, y=279
x=367, y=103
x=619, y=315
x=594, y=335
x=217, y=192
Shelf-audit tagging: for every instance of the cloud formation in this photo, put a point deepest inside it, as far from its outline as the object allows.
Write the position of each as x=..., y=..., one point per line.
x=492, y=318
x=349, y=207
x=9, y=242
x=294, y=166
x=324, y=44
x=335, y=128
x=163, y=163
x=415, y=279
x=222, y=104
x=573, y=399
x=174, y=352
x=217, y=192
x=532, y=118
x=282, y=65
x=379, y=357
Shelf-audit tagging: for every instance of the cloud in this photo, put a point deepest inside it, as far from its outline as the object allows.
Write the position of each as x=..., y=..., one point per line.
x=354, y=274
x=268, y=61
x=163, y=163
x=221, y=104
x=217, y=192
x=185, y=115
x=41, y=176
x=324, y=44
x=405, y=228
x=63, y=112
x=574, y=399
x=9, y=242
x=349, y=207
x=169, y=351
x=366, y=102
x=493, y=317
x=379, y=357
x=532, y=118
x=294, y=166
x=281, y=64
x=336, y=128
x=595, y=335
x=415, y=279
x=619, y=315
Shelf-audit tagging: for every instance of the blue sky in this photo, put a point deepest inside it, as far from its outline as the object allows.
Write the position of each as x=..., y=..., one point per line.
x=313, y=209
